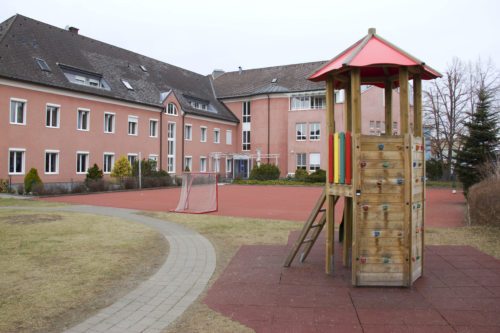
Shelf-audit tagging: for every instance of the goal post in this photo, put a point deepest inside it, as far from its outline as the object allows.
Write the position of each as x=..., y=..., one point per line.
x=199, y=193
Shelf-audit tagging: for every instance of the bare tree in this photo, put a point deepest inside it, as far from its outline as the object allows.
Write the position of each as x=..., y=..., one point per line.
x=446, y=106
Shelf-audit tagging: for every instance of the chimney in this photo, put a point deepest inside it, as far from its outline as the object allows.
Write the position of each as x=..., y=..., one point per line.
x=240, y=69
x=73, y=30
x=372, y=31
x=216, y=73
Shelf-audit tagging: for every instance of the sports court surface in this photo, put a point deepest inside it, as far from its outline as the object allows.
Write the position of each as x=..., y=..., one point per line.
x=443, y=208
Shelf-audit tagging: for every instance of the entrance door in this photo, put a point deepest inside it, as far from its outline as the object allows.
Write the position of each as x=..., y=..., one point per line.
x=241, y=169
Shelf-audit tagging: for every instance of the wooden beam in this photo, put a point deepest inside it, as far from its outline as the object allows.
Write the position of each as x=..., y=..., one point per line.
x=404, y=105
x=356, y=100
x=379, y=79
x=330, y=200
x=417, y=105
x=388, y=107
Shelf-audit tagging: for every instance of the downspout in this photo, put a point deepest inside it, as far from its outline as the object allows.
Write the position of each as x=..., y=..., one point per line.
x=268, y=126
x=182, y=140
x=164, y=110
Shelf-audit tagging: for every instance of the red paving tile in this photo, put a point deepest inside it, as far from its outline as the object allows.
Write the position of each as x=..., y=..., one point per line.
x=443, y=209
x=304, y=299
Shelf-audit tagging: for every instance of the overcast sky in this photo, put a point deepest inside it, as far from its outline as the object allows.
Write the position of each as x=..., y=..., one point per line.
x=225, y=34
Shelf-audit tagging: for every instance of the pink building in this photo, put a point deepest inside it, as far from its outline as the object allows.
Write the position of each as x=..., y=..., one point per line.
x=68, y=101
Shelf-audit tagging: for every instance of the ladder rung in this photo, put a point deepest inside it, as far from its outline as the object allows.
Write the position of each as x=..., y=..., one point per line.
x=309, y=240
x=322, y=210
x=316, y=225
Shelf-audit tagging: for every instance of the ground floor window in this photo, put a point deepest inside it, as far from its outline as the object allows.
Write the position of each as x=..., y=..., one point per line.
x=215, y=164
x=109, y=161
x=188, y=164
x=153, y=159
x=203, y=164
x=301, y=161
x=132, y=158
x=16, y=161
x=229, y=165
x=51, y=162
x=314, y=161
x=82, y=162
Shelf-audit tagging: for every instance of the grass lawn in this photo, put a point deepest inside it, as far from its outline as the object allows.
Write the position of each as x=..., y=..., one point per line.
x=227, y=234
x=57, y=268
x=4, y=202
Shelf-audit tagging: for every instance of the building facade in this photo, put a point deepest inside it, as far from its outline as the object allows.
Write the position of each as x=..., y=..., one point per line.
x=68, y=101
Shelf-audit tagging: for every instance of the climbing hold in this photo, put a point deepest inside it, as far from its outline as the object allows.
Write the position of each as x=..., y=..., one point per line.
x=414, y=164
x=416, y=180
x=379, y=182
x=419, y=205
x=376, y=233
x=385, y=207
x=362, y=260
x=400, y=181
x=400, y=234
x=381, y=146
x=418, y=257
x=386, y=260
x=363, y=164
x=365, y=208
x=413, y=259
x=386, y=164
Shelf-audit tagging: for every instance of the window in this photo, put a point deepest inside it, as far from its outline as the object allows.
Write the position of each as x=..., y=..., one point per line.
x=52, y=116
x=153, y=159
x=153, y=128
x=172, y=109
x=372, y=127
x=18, y=111
x=318, y=102
x=314, y=131
x=133, y=125
x=314, y=161
x=301, y=161
x=188, y=132
x=16, y=161
x=203, y=164
x=82, y=162
x=199, y=105
x=84, y=77
x=83, y=120
x=203, y=134
x=171, y=147
x=109, y=122
x=80, y=79
x=339, y=96
x=246, y=116
x=229, y=165
x=127, y=85
x=300, y=129
x=93, y=83
x=215, y=164
x=246, y=140
x=394, y=127
x=216, y=135
x=109, y=162
x=132, y=158
x=188, y=163
x=377, y=127
x=143, y=68
x=42, y=64
x=51, y=161
x=229, y=137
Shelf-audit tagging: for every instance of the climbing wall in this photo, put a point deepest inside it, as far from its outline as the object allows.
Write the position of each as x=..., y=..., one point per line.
x=417, y=205
x=381, y=223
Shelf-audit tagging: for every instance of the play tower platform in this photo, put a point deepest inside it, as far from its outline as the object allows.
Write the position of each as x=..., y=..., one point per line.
x=381, y=178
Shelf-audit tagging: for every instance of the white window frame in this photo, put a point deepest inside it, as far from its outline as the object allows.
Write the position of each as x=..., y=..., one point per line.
x=303, y=158
x=135, y=157
x=87, y=162
x=246, y=115
x=311, y=165
x=217, y=135
x=51, y=151
x=188, y=162
x=229, y=165
x=303, y=135
x=229, y=137
x=203, y=130
x=25, y=113
x=315, y=105
x=94, y=83
x=171, y=140
x=78, y=119
x=50, y=105
x=155, y=121
x=104, y=162
x=246, y=141
x=133, y=119
x=188, y=134
x=216, y=164
x=23, y=161
x=314, y=137
x=203, y=164
x=174, y=108
x=154, y=157
x=113, y=122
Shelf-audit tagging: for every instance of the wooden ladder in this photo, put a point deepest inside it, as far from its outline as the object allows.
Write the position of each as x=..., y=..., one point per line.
x=312, y=228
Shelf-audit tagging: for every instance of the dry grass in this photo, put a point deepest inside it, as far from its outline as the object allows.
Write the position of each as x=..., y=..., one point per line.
x=227, y=234
x=484, y=238
x=4, y=202
x=484, y=202
x=58, y=268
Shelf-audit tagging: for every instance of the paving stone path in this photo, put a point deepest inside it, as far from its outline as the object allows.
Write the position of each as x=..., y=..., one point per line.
x=157, y=302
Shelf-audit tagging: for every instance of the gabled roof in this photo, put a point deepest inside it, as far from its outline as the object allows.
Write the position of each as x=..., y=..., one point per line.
x=376, y=57
x=251, y=82
x=23, y=39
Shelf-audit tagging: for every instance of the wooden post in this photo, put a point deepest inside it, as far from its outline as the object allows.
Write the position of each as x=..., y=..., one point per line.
x=388, y=107
x=330, y=200
x=417, y=105
x=404, y=106
x=347, y=245
x=356, y=100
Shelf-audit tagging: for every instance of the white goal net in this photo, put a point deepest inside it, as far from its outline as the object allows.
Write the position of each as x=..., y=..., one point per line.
x=198, y=193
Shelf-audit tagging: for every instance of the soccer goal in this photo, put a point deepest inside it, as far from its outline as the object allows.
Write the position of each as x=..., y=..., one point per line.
x=199, y=193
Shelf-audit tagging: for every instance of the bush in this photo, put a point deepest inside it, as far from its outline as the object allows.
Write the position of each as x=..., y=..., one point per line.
x=484, y=202
x=130, y=183
x=434, y=169
x=94, y=173
x=265, y=172
x=31, y=179
x=98, y=185
x=301, y=174
x=318, y=176
x=121, y=168
x=4, y=186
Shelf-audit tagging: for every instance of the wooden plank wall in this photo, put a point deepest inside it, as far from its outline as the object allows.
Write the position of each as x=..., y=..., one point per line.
x=417, y=205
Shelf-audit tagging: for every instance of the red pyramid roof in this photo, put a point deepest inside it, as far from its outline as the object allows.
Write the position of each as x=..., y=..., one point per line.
x=377, y=58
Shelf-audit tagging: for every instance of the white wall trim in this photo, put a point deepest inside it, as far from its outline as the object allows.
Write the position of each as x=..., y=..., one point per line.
x=211, y=120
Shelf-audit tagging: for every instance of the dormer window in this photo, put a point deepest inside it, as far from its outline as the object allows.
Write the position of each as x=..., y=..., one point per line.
x=199, y=105
x=43, y=65
x=84, y=77
x=127, y=85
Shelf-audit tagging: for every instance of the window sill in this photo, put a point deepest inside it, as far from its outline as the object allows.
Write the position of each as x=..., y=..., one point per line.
x=83, y=130
x=18, y=124
x=52, y=127
x=16, y=173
